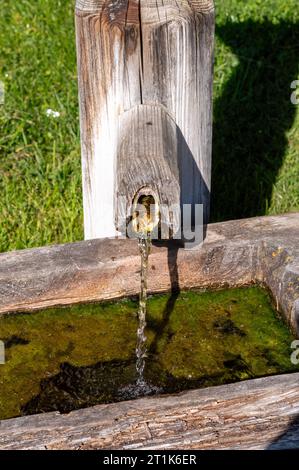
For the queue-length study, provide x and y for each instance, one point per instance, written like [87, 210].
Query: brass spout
[145, 212]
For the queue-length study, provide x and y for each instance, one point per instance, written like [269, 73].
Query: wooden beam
[255, 414]
[135, 53]
[178, 46]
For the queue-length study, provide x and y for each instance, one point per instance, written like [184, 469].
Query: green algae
[71, 357]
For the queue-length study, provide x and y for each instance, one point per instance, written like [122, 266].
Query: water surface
[73, 357]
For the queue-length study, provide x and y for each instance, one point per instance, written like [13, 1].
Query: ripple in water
[139, 389]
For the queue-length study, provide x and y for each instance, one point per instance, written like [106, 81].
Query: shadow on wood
[154, 154]
[289, 439]
[172, 260]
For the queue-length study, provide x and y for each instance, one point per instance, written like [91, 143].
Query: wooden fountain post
[145, 86]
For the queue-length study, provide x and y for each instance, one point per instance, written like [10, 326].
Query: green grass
[40, 186]
[256, 137]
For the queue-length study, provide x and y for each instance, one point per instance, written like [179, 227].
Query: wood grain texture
[147, 158]
[255, 414]
[178, 39]
[89, 5]
[108, 70]
[263, 249]
[137, 52]
[201, 6]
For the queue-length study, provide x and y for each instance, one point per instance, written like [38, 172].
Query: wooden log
[134, 53]
[255, 414]
[235, 253]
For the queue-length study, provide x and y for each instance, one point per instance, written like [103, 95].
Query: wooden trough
[255, 414]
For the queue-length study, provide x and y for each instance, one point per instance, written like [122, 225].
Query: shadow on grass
[252, 116]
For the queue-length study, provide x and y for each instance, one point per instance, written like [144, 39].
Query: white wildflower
[51, 113]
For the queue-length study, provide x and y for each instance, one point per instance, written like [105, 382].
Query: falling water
[144, 248]
[144, 222]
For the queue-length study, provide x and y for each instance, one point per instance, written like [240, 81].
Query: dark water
[69, 358]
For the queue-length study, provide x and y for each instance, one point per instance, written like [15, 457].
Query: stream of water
[144, 248]
[141, 387]
[144, 224]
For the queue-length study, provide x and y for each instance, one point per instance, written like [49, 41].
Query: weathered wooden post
[145, 84]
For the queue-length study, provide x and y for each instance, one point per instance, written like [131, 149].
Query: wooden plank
[263, 249]
[255, 414]
[134, 53]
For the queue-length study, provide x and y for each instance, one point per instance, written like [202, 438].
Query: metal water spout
[145, 87]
